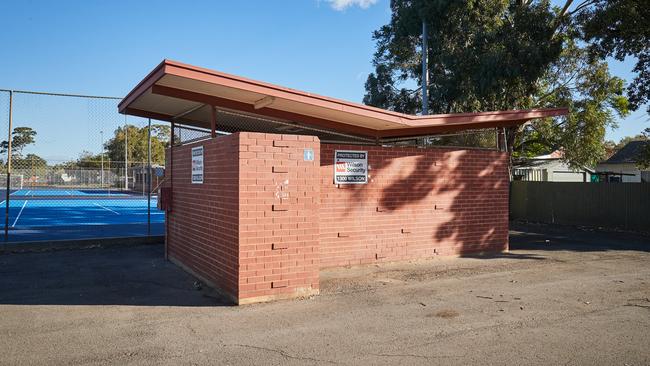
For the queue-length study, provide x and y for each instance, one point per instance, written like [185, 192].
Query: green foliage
[645, 135]
[483, 55]
[86, 160]
[595, 99]
[137, 144]
[20, 138]
[500, 55]
[30, 163]
[643, 159]
[483, 139]
[621, 28]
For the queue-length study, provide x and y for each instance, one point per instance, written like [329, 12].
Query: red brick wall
[203, 227]
[419, 203]
[279, 195]
[251, 228]
[265, 220]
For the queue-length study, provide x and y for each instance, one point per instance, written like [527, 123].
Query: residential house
[550, 168]
[622, 166]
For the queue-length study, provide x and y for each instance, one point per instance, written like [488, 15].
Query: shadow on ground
[137, 276]
[140, 276]
[529, 236]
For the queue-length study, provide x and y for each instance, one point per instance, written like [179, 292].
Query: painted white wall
[564, 176]
[554, 170]
[627, 168]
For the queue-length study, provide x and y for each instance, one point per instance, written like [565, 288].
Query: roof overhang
[187, 94]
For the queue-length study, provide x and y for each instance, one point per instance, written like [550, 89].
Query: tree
[31, 164]
[594, 98]
[20, 138]
[621, 28]
[643, 136]
[643, 159]
[137, 144]
[85, 160]
[500, 55]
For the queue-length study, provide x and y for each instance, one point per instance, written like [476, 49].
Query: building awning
[200, 97]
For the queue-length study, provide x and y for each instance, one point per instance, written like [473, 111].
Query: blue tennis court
[67, 214]
[67, 192]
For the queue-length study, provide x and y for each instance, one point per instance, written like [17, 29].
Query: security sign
[197, 165]
[350, 167]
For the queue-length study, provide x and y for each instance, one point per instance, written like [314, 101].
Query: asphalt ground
[562, 296]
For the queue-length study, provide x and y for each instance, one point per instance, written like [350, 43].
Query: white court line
[107, 209]
[19, 213]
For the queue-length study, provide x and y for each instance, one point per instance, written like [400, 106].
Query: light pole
[425, 69]
[101, 133]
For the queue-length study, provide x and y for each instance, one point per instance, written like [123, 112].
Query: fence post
[169, 166]
[149, 179]
[11, 101]
[126, 155]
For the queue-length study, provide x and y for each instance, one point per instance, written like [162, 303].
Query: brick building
[267, 185]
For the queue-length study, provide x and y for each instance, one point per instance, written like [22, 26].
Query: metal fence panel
[79, 169]
[620, 205]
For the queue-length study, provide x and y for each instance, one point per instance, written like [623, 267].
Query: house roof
[543, 162]
[628, 153]
[187, 94]
[557, 154]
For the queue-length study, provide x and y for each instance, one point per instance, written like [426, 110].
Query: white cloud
[341, 5]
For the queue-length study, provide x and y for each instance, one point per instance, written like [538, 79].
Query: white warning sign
[197, 165]
[350, 167]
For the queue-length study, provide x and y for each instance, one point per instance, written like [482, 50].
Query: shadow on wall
[459, 196]
[478, 212]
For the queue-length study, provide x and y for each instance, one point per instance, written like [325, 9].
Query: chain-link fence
[229, 121]
[72, 167]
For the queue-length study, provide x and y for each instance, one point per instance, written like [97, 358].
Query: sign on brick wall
[197, 165]
[350, 167]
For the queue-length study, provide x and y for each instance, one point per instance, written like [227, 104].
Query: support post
[213, 122]
[169, 163]
[149, 179]
[101, 133]
[8, 192]
[126, 155]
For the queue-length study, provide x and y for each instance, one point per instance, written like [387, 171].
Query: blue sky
[106, 47]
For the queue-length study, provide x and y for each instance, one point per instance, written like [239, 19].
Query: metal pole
[425, 69]
[126, 155]
[11, 101]
[101, 184]
[109, 176]
[149, 179]
[169, 164]
[213, 122]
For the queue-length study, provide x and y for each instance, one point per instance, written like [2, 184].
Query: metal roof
[187, 94]
[628, 154]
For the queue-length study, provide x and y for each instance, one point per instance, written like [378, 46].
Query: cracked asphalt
[561, 296]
